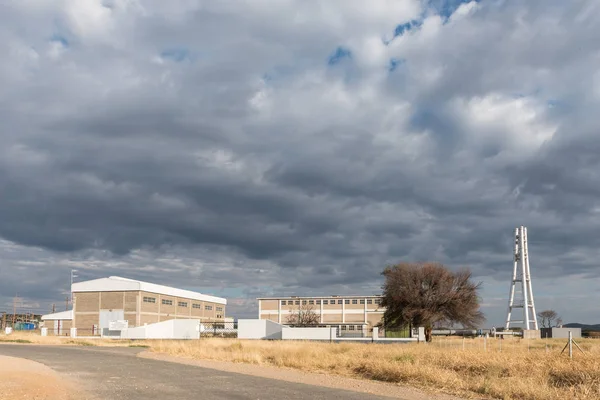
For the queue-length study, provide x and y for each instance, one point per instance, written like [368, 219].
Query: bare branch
[303, 315]
[422, 294]
[547, 318]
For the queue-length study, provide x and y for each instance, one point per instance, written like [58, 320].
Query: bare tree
[547, 318]
[303, 315]
[559, 322]
[421, 294]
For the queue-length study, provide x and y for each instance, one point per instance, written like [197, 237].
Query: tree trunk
[428, 330]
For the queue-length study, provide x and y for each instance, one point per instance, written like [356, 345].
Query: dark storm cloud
[212, 146]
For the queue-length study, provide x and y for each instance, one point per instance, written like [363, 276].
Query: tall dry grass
[521, 369]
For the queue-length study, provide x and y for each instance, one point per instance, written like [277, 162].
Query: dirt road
[25, 379]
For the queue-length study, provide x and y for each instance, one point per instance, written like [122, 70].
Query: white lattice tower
[521, 281]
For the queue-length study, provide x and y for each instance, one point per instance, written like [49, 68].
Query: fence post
[485, 342]
[332, 332]
[422, 334]
[570, 345]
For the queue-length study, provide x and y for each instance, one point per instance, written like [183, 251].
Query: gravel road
[117, 373]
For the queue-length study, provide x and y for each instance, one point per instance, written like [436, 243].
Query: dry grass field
[517, 370]
[504, 369]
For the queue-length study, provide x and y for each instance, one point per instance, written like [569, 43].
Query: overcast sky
[255, 148]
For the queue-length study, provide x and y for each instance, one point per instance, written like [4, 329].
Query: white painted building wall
[171, 329]
[288, 333]
[258, 329]
[563, 333]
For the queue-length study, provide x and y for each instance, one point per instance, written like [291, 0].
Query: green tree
[423, 293]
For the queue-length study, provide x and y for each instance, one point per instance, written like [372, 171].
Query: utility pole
[3, 319]
[16, 300]
[67, 304]
[73, 275]
[53, 308]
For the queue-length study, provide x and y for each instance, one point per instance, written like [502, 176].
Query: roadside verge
[308, 378]
[25, 379]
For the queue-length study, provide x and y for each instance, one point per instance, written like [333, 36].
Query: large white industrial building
[98, 302]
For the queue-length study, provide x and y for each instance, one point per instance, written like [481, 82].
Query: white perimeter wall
[171, 329]
[288, 333]
[258, 329]
[563, 333]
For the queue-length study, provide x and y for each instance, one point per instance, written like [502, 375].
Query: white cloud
[516, 125]
[89, 18]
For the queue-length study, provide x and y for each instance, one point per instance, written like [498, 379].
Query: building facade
[348, 313]
[58, 323]
[98, 302]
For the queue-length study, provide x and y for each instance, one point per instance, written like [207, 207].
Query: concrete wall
[265, 329]
[563, 333]
[171, 329]
[258, 329]
[288, 333]
[532, 334]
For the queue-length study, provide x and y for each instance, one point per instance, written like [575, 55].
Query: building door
[110, 315]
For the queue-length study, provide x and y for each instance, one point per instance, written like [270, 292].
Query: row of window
[352, 327]
[180, 304]
[343, 327]
[332, 301]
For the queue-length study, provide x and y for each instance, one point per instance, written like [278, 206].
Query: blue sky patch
[177, 54]
[394, 63]
[338, 55]
[60, 39]
[445, 8]
[401, 29]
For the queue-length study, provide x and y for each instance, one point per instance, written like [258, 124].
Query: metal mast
[73, 275]
[522, 274]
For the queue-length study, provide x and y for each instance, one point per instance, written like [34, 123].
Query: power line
[16, 300]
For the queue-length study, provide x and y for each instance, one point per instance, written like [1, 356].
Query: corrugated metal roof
[334, 296]
[117, 284]
[64, 315]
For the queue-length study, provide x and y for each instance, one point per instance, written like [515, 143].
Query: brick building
[58, 323]
[99, 301]
[348, 313]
